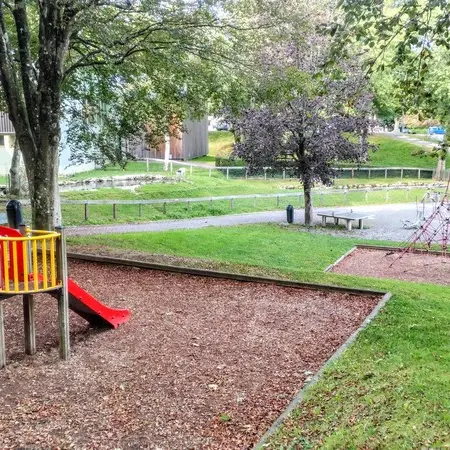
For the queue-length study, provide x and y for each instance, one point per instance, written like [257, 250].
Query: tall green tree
[44, 43]
[409, 34]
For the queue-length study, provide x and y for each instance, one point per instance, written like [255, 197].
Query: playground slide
[95, 312]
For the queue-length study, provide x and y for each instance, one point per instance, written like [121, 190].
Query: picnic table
[349, 217]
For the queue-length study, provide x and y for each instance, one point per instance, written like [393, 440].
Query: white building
[7, 139]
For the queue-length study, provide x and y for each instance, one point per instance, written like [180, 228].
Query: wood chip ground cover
[423, 268]
[203, 363]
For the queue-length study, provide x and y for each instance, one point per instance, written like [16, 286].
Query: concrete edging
[341, 258]
[318, 375]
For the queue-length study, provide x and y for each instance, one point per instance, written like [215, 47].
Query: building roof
[6, 127]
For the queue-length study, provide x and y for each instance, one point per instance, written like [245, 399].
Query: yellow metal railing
[29, 264]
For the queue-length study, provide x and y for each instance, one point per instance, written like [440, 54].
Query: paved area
[413, 139]
[385, 225]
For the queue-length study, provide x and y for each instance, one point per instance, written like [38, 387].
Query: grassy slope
[397, 153]
[204, 187]
[199, 184]
[391, 389]
[391, 152]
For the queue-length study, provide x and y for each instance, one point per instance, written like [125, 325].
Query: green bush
[229, 162]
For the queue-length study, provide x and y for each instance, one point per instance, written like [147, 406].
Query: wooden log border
[295, 403]
[385, 296]
[383, 248]
[222, 275]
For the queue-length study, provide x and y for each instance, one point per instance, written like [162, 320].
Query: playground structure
[434, 197]
[34, 262]
[434, 233]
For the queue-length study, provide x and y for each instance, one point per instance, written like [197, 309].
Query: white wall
[65, 166]
[6, 153]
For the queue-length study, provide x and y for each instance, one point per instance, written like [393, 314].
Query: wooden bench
[348, 217]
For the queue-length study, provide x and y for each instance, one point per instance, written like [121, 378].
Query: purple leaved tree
[307, 136]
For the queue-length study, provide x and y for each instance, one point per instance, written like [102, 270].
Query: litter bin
[290, 213]
[14, 213]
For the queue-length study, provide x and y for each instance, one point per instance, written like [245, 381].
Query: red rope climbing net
[434, 233]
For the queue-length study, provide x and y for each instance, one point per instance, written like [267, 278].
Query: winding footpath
[385, 225]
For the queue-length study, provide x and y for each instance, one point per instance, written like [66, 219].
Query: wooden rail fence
[319, 197]
[371, 171]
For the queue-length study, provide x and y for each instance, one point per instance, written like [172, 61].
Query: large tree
[308, 134]
[412, 35]
[44, 43]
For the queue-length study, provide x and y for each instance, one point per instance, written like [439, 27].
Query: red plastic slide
[95, 312]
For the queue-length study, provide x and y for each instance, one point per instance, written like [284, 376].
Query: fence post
[114, 211]
[265, 174]
[86, 211]
[63, 297]
[29, 323]
[231, 203]
[278, 200]
[140, 210]
[353, 173]
[418, 174]
[164, 208]
[228, 173]
[401, 173]
[2, 339]
[209, 173]
[369, 174]
[246, 173]
[284, 174]
[385, 173]
[148, 165]
[191, 169]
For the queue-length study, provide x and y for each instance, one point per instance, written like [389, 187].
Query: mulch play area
[203, 362]
[420, 267]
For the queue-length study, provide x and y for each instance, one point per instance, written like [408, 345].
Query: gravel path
[203, 363]
[411, 138]
[385, 225]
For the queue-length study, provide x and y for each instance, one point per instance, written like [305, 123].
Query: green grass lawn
[220, 143]
[391, 153]
[132, 168]
[391, 389]
[397, 153]
[201, 186]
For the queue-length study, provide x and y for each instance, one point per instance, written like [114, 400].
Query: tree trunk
[440, 169]
[32, 90]
[396, 125]
[18, 188]
[44, 191]
[308, 203]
